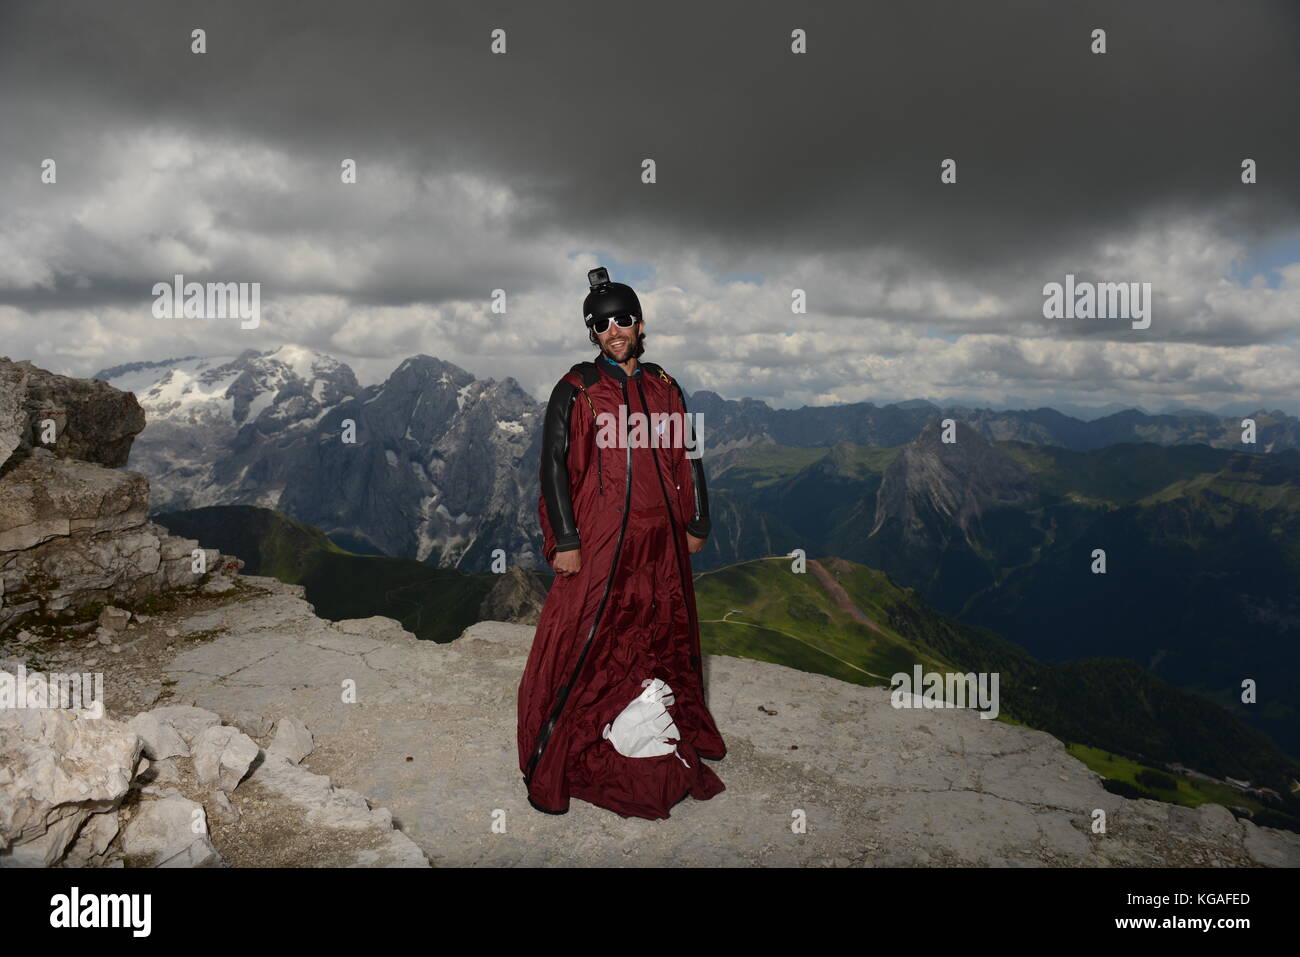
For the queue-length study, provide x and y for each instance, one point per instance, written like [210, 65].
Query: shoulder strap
[589, 374]
[587, 370]
[656, 369]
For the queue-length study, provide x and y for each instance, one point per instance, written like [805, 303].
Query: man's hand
[693, 544]
[569, 562]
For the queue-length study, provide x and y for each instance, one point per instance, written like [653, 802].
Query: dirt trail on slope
[839, 595]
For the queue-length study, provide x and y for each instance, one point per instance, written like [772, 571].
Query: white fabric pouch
[644, 728]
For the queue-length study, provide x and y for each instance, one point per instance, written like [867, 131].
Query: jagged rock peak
[959, 480]
[423, 366]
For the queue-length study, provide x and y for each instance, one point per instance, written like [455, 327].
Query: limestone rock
[329, 806]
[217, 585]
[1271, 847]
[114, 619]
[93, 421]
[252, 723]
[74, 526]
[44, 497]
[163, 771]
[65, 572]
[56, 769]
[13, 411]
[222, 809]
[160, 737]
[91, 845]
[222, 756]
[292, 739]
[376, 626]
[161, 834]
[189, 721]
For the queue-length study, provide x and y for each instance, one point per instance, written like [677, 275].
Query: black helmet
[608, 299]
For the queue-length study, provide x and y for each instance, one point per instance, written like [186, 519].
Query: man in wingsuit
[611, 704]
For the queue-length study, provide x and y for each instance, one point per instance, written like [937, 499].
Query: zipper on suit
[690, 605]
[695, 486]
[562, 695]
[600, 472]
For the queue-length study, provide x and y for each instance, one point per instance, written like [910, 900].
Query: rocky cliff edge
[325, 712]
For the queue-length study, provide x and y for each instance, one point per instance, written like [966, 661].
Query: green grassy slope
[761, 609]
[1203, 553]
[436, 604]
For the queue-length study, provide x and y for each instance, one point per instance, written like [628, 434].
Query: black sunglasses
[623, 322]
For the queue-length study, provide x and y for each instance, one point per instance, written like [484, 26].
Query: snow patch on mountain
[264, 429]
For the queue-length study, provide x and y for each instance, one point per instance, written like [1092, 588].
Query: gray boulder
[222, 756]
[13, 411]
[159, 736]
[252, 723]
[169, 832]
[292, 739]
[188, 720]
[57, 768]
[93, 421]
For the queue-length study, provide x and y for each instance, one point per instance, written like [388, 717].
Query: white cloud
[405, 262]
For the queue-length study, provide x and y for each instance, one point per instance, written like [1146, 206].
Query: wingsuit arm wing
[554, 473]
[698, 524]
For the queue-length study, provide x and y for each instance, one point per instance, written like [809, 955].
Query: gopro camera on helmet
[608, 299]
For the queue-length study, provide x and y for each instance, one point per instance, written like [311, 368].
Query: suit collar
[615, 371]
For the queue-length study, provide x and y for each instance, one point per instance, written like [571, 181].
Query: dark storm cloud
[758, 150]
[775, 171]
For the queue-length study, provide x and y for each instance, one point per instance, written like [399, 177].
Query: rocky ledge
[427, 731]
[74, 531]
[171, 785]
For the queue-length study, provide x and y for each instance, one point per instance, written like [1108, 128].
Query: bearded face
[620, 344]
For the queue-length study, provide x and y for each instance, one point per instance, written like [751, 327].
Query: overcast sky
[776, 172]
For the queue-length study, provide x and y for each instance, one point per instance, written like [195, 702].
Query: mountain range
[444, 465]
[1201, 583]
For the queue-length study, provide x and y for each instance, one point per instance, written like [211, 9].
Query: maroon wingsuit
[639, 599]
